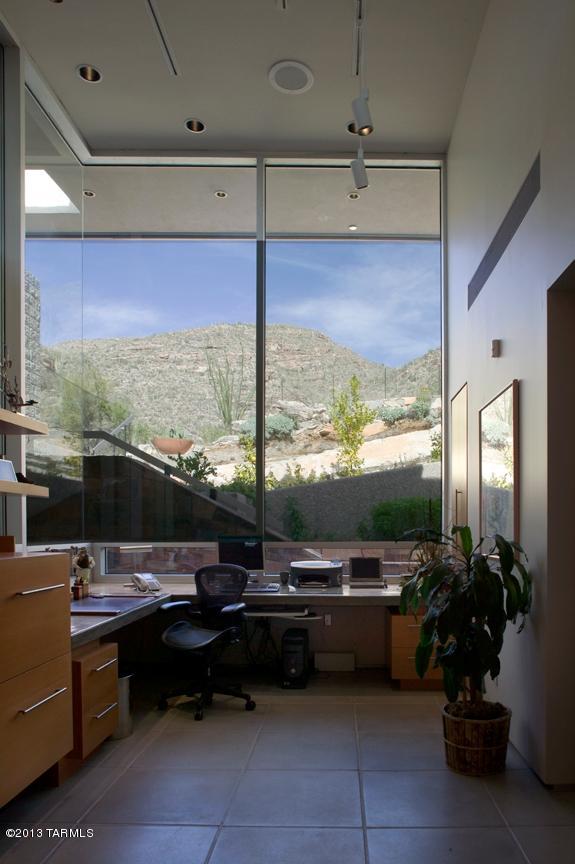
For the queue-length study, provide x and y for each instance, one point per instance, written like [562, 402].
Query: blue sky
[379, 299]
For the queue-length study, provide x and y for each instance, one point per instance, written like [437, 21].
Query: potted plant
[468, 596]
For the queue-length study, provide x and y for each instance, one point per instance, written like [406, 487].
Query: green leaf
[513, 598]
[450, 684]
[422, 657]
[506, 556]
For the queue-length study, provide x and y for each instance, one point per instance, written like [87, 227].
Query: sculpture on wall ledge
[10, 388]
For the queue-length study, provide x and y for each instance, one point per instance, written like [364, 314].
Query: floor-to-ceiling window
[142, 347]
[353, 352]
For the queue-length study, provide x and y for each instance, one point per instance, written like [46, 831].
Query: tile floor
[347, 771]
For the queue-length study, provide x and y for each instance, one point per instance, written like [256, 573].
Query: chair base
[204, 697]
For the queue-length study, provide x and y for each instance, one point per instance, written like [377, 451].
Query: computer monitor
[247, 552]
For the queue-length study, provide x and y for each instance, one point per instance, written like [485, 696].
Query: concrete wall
[333, 509]
[518, 101]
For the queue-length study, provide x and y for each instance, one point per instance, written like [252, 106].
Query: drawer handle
[105, 665]
[40, 590]
[43, 701]
[105, 711]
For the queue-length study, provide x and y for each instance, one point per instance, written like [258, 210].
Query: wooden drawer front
[403, 665]
[95, 672]
[34, 612]
[35, 724]
[405, 630]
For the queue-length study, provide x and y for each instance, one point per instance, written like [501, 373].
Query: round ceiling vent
[291, 76]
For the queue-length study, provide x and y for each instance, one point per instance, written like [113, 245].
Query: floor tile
[305, 745]
[548, 845]
[208, 746]
[144, 844]
[294, 798]
[401, 752]
[523, 800]
[441, 845]
[178, 797]
[426, 799]
[395, 719]
[289, 845]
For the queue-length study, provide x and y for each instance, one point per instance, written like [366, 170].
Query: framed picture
[7, 470]
[499, 464]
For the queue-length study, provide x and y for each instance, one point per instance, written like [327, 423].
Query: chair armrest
[174, 604]
[233, 607]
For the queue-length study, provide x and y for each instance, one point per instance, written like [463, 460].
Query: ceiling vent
[291, 76]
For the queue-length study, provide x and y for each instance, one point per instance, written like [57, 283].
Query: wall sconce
[496, 347]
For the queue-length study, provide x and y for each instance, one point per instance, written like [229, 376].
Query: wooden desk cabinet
[95, 683]
[403, 637]
[35, 671]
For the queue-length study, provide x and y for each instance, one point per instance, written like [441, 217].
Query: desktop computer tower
[295, 658]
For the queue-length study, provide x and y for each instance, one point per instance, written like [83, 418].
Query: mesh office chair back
[220, 585]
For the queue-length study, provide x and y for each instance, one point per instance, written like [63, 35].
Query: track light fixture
[363, 124]
[358, 171]
[362, 114]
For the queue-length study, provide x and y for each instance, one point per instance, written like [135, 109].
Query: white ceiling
[417, 58]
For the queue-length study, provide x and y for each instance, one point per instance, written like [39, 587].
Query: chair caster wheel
[199, 715]
[250, 705]
[163, 705]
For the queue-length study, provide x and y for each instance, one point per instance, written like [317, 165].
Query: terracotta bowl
[172, 446]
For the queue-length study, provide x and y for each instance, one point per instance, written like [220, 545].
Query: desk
[86, 628]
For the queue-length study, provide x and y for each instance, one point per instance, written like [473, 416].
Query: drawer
[34, 612]
[403, 666]
[35, 724]
[405, 630]
[95, 679]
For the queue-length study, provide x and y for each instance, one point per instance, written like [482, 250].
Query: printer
[316, 575]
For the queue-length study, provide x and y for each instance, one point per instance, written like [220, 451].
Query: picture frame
[7, 470]
[499, 464]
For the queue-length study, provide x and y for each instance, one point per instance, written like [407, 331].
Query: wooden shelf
[12, 423]
[9, 487]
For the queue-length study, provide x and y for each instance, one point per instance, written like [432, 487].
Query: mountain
[176, 379]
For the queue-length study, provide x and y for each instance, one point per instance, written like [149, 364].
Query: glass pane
[53, 328]
[353, 353]
[169, 352]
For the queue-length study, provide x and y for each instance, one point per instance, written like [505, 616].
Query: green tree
[196, 464]
[350, 416]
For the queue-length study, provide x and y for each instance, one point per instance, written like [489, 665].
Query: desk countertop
[85, 628]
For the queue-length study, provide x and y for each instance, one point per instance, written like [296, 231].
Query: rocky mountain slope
[169, 379]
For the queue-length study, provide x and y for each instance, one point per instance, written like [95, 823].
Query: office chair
[220, 616]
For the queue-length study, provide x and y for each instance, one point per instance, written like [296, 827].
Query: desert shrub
[278, 427]
[392, 414]
[391, 519]
[294, 523]
[419, 410]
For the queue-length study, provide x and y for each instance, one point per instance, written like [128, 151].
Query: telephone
[146, 582]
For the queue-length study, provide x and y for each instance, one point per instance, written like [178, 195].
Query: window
[141, 340]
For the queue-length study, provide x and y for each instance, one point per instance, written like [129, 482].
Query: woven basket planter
[476, 747]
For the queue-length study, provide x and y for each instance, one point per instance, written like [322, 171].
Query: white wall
[519, 100]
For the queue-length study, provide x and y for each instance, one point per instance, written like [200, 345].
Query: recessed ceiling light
[89, 73]
[352, 227]
[353, 196]
[291, 76]
[87, 193]
[221, 194]
[195, 125]
[352, 128]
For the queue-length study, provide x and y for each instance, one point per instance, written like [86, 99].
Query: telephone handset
[146, 582]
